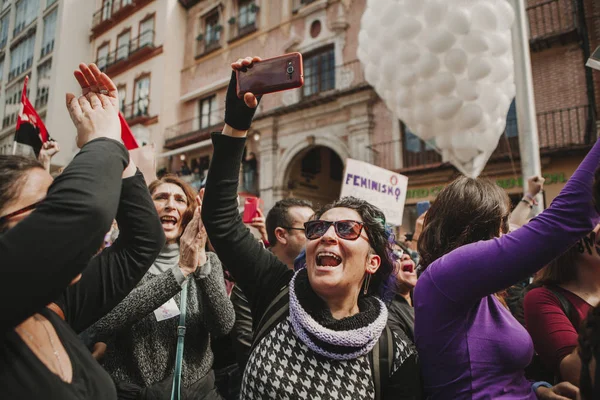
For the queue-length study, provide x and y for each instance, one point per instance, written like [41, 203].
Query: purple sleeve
[474, 271]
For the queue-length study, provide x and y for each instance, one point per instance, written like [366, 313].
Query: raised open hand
[92, 80]
[192, 243]
[94, 117]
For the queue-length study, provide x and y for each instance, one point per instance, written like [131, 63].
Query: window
[319, 72]
[12, 104]
[123, 45]
[43, 84]
[1, 69]
[26, 13]
[50, 2]
[141, 96]
[122, 89]
[4, 29]
[213, 30]
[49, 32]
[106, 9]
[102, 56]
[21, 57]
[209, 115]
[147, 32]
[512, 128]
[247, 16]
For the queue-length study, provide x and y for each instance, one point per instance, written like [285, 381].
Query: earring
[367, 282]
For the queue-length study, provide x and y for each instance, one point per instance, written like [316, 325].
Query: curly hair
[13, 172]
[190, 195]
[466, 211]
[381, 239]
[589, 349]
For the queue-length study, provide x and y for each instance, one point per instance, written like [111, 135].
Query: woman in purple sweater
[469, 344]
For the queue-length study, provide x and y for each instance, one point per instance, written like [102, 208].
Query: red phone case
[271, 75]
[250, 209]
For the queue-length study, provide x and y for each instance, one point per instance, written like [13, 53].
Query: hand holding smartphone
[271, 75]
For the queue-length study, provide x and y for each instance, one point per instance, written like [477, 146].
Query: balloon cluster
[445, 68]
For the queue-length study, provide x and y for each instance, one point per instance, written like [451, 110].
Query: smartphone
[271, 75]
[250, 209]
[422, 207]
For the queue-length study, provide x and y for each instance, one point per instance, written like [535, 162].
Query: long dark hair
[13, 172]
[466, 211]
[589, 349]
[190, 194]
[380, 237]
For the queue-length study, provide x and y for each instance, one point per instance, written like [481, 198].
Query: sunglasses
[23, 210]
[345, 229]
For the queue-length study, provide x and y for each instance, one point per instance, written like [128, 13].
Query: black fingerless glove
[237, 114]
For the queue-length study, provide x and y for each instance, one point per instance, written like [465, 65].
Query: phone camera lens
[290, 70]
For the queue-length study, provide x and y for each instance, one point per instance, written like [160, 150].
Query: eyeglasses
[291, 228]
[23, 210]
[345, 229]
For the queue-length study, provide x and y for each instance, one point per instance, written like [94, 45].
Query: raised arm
[112, 274]
[256, 270]
[474, 271]
[218, 311]
[50, 247]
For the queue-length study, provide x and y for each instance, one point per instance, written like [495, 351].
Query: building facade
[303, 137]
[139, 44]
[45, 40]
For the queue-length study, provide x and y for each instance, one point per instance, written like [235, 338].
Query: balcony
[21, 69]
[244, 24]
[114, 12]
[193, 130]
[128, 55]
[561, 130]
[552, 21]
[47, 49]
[137, 112]
[204, 46]
[187, 4]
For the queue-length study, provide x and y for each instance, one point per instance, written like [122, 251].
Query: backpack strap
[275, 312]
[381, 360]
[565, 304]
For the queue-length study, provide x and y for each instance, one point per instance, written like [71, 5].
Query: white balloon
[442, 142]
[405, 77]
[424, 91]
[412, 7]
[447, 108]
[405, 98]
[428, 65]
[408, 27]
[499, 43]
[458, 21]
[489, 100]
[475, 42]
[479, 68]
[390, 14]
[363, 38]
[505, 14]
[435, 11]
[467, 90]
[501, 71]
[444, 83]
[371, 73]
[426, 132]
[466, 155]
[389, 69]
[456, 61]
[423, 117]
[470, 115]
[439, 40]
[484, 16]
[409, 53]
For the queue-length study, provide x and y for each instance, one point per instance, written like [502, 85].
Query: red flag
[29, 115]
[126, 135]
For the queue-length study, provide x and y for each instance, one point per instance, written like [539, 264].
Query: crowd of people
[115, 289]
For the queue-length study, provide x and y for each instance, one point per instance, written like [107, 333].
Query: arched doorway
[315, 174]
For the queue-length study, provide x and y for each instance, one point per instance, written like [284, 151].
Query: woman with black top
[51, 231]
[322, 347]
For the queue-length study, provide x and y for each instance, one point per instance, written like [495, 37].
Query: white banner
[380, 187]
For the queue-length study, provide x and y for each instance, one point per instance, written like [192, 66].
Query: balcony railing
[204, 46]
[187, 4]
[297, 4]
[551, 18]
[564, 129]
[123, 54]
[20, 69]
[113, 10]
[47, 49]
[138, 109]
[244, 23]
[192, 130]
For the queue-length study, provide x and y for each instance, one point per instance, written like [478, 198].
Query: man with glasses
[285, 231]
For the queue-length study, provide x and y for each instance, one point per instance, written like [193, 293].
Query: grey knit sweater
[142, 350]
